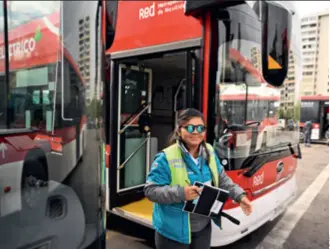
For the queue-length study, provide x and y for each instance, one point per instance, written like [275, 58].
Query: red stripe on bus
[207, 53]
[107, 155]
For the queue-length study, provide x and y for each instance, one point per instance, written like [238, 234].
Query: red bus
[177, 55]
[242, 106]
[51, 165]
[315, 109]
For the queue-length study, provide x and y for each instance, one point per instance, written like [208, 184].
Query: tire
[34, 176]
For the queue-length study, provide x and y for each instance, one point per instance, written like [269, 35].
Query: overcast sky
[306, 8]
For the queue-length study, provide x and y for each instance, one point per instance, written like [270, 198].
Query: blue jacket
[168, 218]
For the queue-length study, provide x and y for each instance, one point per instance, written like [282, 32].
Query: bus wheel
[34, 177]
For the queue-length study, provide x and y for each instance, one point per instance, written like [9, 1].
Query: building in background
[290, 86]
[315, 49]
[84, 54]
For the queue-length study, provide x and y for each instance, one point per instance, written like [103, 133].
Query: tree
[290, 113]
[281, 113]
[94, 109]
[297, 111]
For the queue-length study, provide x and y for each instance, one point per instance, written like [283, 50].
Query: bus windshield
[247, 107]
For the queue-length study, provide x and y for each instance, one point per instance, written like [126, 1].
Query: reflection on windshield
[248, 109]
[240, 104]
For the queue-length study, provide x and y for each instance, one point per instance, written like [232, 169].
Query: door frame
[149, 71]
[117, 199]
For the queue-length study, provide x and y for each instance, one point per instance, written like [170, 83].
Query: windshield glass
[32, 69]
[252, 117]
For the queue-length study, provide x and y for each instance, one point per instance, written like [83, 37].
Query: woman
[186, 160]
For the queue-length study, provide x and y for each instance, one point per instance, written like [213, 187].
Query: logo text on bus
[160, 8]
[22, 47]
[19, 48]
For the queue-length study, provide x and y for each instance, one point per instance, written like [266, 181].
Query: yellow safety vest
[179, 174]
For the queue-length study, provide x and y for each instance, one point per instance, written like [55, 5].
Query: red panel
[267, 176]
[148, 23]
[107, 155]
[315, 97]
[207, 52]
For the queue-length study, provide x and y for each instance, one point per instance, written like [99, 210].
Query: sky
[306, 8]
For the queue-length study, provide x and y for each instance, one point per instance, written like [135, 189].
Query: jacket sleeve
[157, 187]
[235, 191]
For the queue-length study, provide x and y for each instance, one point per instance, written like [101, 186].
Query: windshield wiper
[264, 158]
[256, 165]
[293, 153]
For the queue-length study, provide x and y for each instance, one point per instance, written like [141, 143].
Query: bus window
[133, 94]
[310, 111]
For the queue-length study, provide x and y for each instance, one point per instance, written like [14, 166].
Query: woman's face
[192, 132]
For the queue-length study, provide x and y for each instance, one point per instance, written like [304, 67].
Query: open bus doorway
[149, 91]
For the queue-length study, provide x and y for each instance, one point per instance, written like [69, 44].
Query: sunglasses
[192, 128]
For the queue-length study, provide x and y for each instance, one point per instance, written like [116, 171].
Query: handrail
[138, 115]
[130, 156]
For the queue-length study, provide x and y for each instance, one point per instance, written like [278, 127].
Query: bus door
[145, 119]
[324, 120]
[133, 132]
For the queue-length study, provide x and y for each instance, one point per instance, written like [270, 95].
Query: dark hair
[183, 118]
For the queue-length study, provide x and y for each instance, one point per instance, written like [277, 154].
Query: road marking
[282, 230]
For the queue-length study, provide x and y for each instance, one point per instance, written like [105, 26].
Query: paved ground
[311, 230]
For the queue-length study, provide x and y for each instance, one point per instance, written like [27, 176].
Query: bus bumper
[265, 208]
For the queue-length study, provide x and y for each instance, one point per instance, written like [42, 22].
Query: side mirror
[276, 23]
[109, 20]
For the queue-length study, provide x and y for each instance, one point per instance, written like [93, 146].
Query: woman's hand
[191, 192]
[246, 206]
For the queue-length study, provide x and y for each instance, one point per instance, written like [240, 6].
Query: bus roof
[315, 97]
[238, 92]
[142, 24]
[242, 97]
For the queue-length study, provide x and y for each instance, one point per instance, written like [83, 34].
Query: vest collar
[186, 152]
